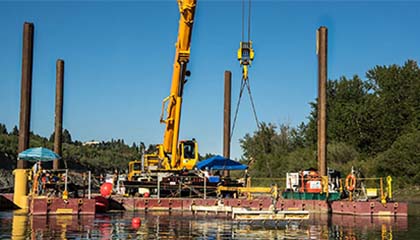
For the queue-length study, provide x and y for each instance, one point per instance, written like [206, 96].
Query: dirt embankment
[6, 180]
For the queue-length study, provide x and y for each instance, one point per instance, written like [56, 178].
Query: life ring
[350, 182]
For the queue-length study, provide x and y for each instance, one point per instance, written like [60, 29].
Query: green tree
[397, 90]
[347, 112]
[370, 115]
[66, 137]
[15, 131]
[52, 137]
[207, 155]
[3, 129]
[402, 160]
[258, 150]
[268, 151]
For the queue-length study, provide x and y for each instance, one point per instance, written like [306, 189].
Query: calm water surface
[14, 225]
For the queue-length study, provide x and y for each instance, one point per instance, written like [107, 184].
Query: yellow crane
[172, 154]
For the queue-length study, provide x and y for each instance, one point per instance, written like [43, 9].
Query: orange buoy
[136, 222]
[350, 182]
[106, 189]
[146, 195]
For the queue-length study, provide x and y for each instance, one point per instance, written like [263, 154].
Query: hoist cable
[245, 80]
[243, 20]
[237, 108]
[249, 21]
[252, 104]
[248, 86]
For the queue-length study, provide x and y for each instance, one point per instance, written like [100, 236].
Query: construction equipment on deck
[167, 168]
[173, 155]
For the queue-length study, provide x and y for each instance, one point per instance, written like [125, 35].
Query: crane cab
[158, 161]
[134, 170]
[189, 154]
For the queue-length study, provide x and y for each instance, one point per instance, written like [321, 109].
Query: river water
[155, 225]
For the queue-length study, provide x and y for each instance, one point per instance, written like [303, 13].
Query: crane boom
[172, 154]
[166, 163]
[174, 100]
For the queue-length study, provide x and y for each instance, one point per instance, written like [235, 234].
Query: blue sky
[119, 55]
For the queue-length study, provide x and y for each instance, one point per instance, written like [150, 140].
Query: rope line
[249, 20]
[237, 108]
[243, 20]
[252, 104]
[248, 86]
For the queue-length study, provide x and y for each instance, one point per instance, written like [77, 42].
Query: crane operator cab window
[137, 166]
[189, 150]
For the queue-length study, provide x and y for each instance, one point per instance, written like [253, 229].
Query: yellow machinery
[20, 197]
[172, 154]
[245, 57]
[245, 51]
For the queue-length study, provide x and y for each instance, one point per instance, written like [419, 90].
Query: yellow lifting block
[245, 57]
[245, 53]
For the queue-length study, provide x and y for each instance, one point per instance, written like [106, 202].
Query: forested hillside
[373, 124]
[100, 157]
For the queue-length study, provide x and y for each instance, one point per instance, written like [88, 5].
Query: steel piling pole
[322, 43]
[226, 117]
[26, 90]
[58, 111]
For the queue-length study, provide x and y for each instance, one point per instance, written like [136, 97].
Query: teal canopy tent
[38, 154]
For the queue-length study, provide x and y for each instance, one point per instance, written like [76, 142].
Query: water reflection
[359, 227]
[19, 224]
[61, 226]
[15, 225]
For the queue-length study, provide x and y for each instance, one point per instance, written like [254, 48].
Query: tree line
[372, 124]
[101, 157]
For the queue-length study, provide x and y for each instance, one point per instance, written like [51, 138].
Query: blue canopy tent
[220, 163]
[38, 154]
